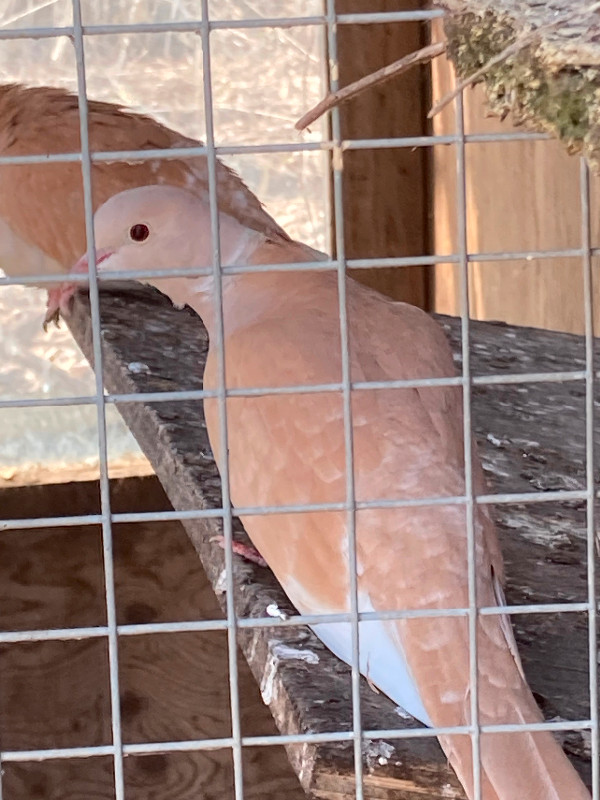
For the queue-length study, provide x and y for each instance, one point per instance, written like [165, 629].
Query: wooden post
[385, 191]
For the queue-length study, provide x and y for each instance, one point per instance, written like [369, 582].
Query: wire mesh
[341, 266]
[590, 481]
[222, 398]
[461, 203]
[329, 22]
[107, 536]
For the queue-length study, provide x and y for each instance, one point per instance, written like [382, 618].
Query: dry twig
[375, 78]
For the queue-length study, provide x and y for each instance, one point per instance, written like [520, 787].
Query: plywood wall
[173, 686]
[521, 196]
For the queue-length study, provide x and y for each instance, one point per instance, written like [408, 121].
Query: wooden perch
[538, 61]
[532, 438]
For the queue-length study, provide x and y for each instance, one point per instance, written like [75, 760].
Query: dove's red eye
[139, 232]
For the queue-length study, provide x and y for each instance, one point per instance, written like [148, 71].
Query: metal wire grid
[330, 21]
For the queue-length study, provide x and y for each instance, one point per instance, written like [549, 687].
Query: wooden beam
[385, 191]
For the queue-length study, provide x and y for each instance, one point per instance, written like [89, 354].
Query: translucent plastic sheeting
[263, 79]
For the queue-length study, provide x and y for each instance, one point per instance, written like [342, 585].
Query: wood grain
[521, 196]
[385, 190]
[173, 686]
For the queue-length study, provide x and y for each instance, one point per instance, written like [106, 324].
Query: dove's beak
[82, 266]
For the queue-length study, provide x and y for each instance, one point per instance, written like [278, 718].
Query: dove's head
[151, 227]
[162, 228]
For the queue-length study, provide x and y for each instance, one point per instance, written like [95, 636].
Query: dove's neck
[268, 291]
[237, 245]
[245, 296]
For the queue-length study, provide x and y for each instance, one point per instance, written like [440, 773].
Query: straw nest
[539, 61]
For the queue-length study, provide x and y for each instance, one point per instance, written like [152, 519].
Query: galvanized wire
[196, 26]
[461, 232]
[559, 495]
[337, 165]
[107, 538]
[336, 146]
[201, 745]
[219, 344]
[112, 156]
[584, 181]
[260, 391]
[308, 266]
[299, 620]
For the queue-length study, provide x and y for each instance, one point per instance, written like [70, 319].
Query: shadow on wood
[385, 194]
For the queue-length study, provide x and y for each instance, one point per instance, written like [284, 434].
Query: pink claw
[246, 551]
[58, 303]
[59, 297]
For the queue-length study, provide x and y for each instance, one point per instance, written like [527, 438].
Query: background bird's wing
[42, 204]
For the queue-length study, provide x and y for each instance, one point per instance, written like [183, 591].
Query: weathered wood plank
[173, 686]
[532, 438]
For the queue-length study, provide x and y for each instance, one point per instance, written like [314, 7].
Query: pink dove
[282, 328]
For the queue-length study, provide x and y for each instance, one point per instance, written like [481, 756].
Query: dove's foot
[246, 551]
[58, 303]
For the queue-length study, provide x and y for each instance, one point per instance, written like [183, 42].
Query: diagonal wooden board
[532, 438]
